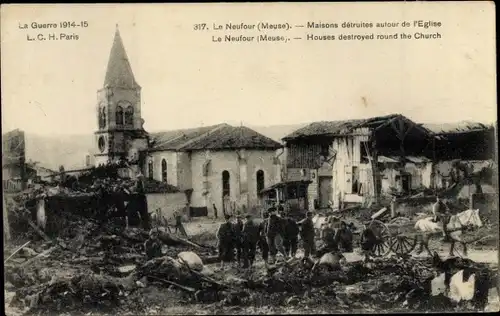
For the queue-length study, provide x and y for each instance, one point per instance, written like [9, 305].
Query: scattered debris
[95, 261]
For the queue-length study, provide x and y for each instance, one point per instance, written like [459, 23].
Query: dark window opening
[364, 146]
[302, 191]
[292, 192]
[260, 181]
[226, 186]
[325, 150]
[102, 118]
[129, 116]
[355, 180]
[119, 115]
[164, 170]
[404, 182]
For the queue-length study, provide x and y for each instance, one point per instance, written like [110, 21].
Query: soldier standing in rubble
[178, 224]
[328, 238]
[225, 241]
[368, 240]
[264, 247]
[274, 234]
[291, 237]
[153, 245]
[251, 236]
[307, 235]
[343, 238]
[238, 238]
[441, 213]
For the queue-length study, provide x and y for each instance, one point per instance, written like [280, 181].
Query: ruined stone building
[219, 165]
[357, 161]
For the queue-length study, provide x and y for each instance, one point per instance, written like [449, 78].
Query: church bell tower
[120, 133]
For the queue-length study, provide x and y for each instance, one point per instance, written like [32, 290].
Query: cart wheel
[382, 246]
[401, 244]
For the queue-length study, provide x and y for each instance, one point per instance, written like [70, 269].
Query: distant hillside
[69, 151]
[54, 151]
[277, 132]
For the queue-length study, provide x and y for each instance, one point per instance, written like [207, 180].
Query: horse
[455, 226]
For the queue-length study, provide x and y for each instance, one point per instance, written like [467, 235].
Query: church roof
[119, 72]
[215, 137]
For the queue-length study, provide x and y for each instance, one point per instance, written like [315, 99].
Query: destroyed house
[464, 152]
[221, 165]
[357, 161]
[465, 140]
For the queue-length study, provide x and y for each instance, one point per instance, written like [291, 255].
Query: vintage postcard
[249, 158]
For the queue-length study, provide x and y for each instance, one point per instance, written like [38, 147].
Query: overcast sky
[188, 81]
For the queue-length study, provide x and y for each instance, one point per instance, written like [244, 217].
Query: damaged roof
[343, 127]
[460, 127]
[215, 137]
[175, 139]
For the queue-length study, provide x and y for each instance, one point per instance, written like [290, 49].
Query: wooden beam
[398, 130]
[373, 158]
[385, 124]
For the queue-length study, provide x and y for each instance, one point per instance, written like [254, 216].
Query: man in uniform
[178, 224]
[153, 245]
[343, 238]
[264, 247]
[307, 235]
[274, 234]
[225, 241]
[368, 241]
[291, 237]
[238, 238]
[441, 213]
[251, 235]
[328, 238]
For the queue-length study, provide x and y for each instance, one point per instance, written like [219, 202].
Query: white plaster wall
[184, 174]
[228, 160]
[348, 151]
[171, 158]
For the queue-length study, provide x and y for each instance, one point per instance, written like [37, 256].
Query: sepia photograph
[249, 158]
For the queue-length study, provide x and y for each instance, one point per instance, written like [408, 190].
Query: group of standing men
[276, 233]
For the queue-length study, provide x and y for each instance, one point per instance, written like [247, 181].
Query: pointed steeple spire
[119, 72]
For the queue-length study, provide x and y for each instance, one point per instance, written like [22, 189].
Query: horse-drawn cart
[396, 236]
[401, 235]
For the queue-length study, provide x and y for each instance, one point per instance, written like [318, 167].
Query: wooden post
[393, 208]
[374, 160]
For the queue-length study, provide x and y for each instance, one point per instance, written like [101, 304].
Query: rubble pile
[94, 265]
[382, 284]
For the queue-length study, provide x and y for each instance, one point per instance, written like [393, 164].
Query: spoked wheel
[382, 246]
[402, 244]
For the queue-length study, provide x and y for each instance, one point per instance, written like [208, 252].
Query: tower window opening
[119, 115]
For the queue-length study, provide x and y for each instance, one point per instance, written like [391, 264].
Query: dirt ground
[165, 301]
